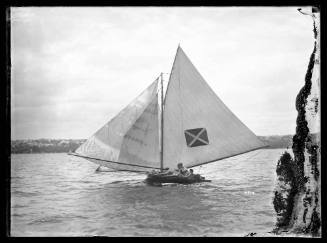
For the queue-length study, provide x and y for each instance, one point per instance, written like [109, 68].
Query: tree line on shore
[69, 145]
[45, 145]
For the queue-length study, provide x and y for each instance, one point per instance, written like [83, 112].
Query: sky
[75, 68]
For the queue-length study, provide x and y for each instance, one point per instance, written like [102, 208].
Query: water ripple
[55, 195]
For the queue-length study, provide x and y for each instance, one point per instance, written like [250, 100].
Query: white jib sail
[130, 141]
[198, 126]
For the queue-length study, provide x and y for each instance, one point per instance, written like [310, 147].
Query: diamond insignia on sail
[196, 137]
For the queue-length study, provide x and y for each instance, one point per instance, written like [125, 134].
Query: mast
[161, 132]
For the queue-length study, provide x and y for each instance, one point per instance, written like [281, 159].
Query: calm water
[61, 195]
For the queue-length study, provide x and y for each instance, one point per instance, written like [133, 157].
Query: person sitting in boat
[182, 170]
[191, 172]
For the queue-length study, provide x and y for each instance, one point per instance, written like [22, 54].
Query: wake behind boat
[187, 123]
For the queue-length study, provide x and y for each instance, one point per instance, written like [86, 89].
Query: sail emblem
[196, 137]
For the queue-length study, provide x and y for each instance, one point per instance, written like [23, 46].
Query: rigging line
[214, 160]
[117, 171]
[179, 102]
[170, 75]
[136, 171]
[162, 124]
[114, 162]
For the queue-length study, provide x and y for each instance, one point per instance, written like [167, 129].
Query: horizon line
[87, 138]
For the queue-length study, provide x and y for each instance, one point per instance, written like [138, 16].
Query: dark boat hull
[159, 179]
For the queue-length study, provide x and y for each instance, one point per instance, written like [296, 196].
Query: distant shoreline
[67, 152]
[40, 146]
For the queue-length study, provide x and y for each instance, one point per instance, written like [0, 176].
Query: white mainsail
[192, 126]
[198, 126]
[130, 141]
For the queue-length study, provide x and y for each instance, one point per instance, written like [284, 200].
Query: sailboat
[188, 123]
